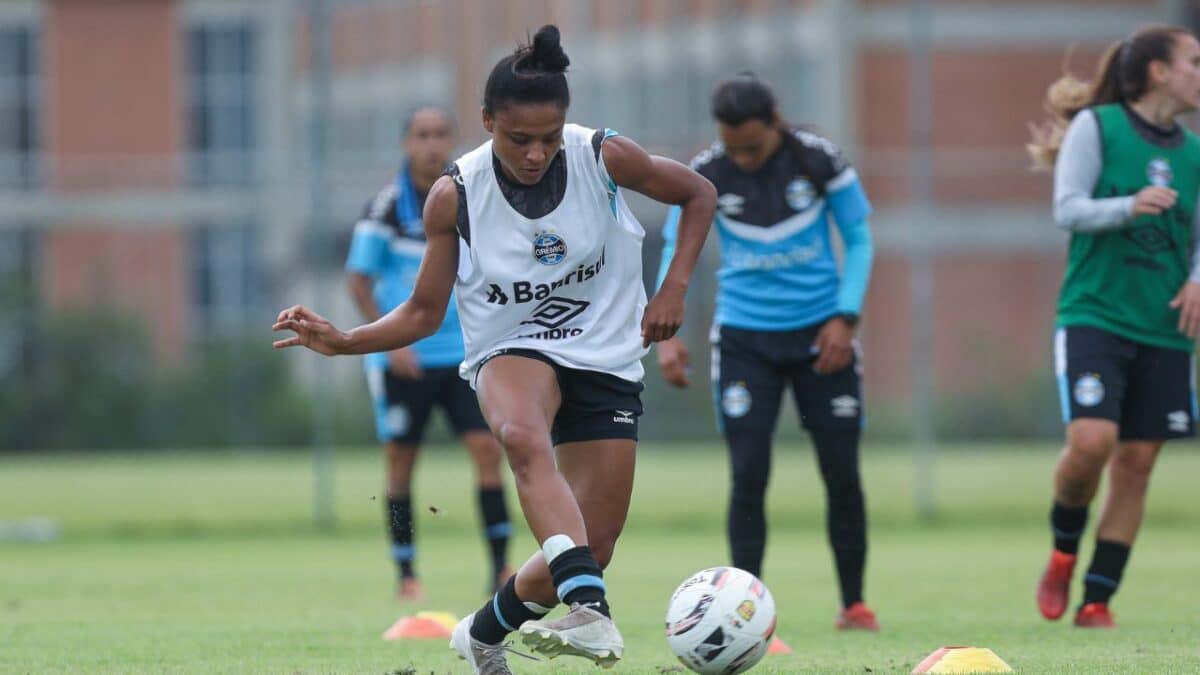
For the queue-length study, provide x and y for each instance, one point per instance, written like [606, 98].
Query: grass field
[208, 563]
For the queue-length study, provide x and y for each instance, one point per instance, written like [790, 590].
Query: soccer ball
[720, 620]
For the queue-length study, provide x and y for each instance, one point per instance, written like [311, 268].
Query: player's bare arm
[669, 182]
[418, 317]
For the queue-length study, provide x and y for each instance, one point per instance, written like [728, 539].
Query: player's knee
[520, 438]
[846, 498]
[750, 477]
[529, 456]
[842, 481]
[1133, 466]
[748, 489]
[1093, 442]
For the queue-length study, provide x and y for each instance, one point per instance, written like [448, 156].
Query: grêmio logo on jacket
[521, 292]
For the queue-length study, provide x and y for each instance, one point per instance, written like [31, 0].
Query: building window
[224, 278]
[222, 133]
[661, 96]
[18, 251]
[19, 103]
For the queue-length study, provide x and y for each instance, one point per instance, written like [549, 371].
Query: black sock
[1104, 576]
[845, 513]
[1068, 523]
[578, 578]
[503, 614]
[400, 528]
[496, 527]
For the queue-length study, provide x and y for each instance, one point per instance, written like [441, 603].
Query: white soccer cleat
[485, 659]
[582, 632]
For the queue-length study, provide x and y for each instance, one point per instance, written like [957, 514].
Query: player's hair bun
[534, 73]
[545, 53]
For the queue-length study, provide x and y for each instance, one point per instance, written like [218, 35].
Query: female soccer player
[532, 232]
[1126, 174]
[785, 317]
[405, 384]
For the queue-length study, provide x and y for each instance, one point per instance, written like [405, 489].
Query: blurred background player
[532, 230]
[405, 384]
[784, 318]
[1126, 175]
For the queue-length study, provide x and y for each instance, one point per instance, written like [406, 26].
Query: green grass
[207, 563]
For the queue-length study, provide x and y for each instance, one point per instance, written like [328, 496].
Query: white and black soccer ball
[720, 621]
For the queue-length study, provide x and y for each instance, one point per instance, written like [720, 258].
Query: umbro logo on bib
[553, 314]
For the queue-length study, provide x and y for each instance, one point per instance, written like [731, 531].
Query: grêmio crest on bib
[549, 248]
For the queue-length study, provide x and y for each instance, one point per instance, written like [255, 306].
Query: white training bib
[568, 285]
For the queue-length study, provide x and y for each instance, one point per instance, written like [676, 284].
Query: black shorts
[751, 368]
[1150, 392]
[595, 406]
[402, 406]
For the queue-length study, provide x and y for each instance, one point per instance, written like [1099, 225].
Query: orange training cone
[422, 626]
[777, 646]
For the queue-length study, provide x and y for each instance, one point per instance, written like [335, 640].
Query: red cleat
[1054, 589]
[777, 646]
[1094, 615]
[857, 617]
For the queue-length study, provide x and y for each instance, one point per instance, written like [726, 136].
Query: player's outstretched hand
[312, 330]
[663, 315]
[834, 346]
[1187, 301]
[674, 362]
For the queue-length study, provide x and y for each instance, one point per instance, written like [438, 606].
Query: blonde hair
[1122, 75]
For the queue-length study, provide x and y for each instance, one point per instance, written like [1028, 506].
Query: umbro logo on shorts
[845, 406]
[623, 416]
[1178, 421]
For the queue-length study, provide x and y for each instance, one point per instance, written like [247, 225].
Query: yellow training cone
[963, 660]
[447, 619]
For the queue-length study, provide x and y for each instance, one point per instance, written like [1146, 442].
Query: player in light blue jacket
[405, 384]
[785, 317]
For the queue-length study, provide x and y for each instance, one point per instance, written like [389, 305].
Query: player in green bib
[1126, 179]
